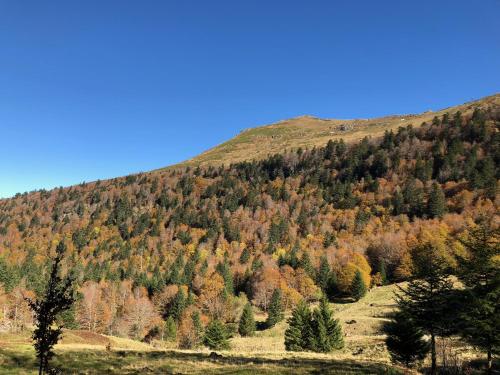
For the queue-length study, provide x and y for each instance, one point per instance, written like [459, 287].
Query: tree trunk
[490, 361]
[40, 368]
[433, 354]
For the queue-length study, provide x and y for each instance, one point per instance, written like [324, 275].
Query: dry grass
[81, 352]
[307, 131]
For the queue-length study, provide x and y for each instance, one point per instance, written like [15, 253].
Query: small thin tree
[57, 298]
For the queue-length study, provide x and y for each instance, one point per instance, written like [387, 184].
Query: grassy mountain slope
[165, 245]
[308, 131]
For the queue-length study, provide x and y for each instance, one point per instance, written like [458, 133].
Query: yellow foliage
[279, 252]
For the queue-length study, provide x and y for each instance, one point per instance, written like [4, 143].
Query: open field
[82, 352]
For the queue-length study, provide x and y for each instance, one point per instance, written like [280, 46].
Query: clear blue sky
[99, 89]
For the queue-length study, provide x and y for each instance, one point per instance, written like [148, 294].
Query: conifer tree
[480, 274]
[358, 287]
[198, 327]
[170, 329]
[327, 332]
[427, 299]
[323, 274]
[57, 298]
[275, 312]
[299, 334]
[436, 205]
[333, 288]
[306, 265]
[398, 203]
[178, 305]
[405, 340]
[216, 336]
[247, 322]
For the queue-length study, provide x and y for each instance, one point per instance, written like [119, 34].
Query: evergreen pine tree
[306, 265]
[323, 274]
[224, 270]
[170, 329]
[413, 198]
[245, 256]
[481, 276]
[427, 299]
[358, 287]
[398, 204]
[382, 271]
[57, 298]
[333, 288]
[216, 336]
[198, 327]
[405, 340]
[327, 332]
[275, 312]
[436, 205]
[247, 322]
[299, 334]
[177, 306]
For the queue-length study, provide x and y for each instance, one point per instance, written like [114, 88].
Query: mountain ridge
[286, 134]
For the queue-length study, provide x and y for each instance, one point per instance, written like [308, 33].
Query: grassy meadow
[82, 352]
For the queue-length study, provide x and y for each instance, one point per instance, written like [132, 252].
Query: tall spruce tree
[358, 287]
[436, 205]
[323, 274]
[327, 332]
[177, 305]
[170, 329]
[216, 336]
[275, 311]
[405, 340]
[57, 298]
[247, 326]
[480, 273]
[299, 334]
[382, 271]
[427, 300]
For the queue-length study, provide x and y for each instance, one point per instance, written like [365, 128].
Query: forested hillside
[161, 254]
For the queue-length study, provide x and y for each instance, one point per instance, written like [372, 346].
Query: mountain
[203, 238]
[309, 131]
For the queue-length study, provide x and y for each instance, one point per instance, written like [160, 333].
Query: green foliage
[247, 325]
[436, 205]
[317, 331]
[245, 256]
[170, 329]
[224, 269]
[9, 276]
[275, 312]
[57, 298]
[405, 340]
[358, 287]
[299, 333]
[428, 300]
[323, 274]
[306, 264]
[216, 336]
[177, 306]
[327, 332]
[479, 270]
